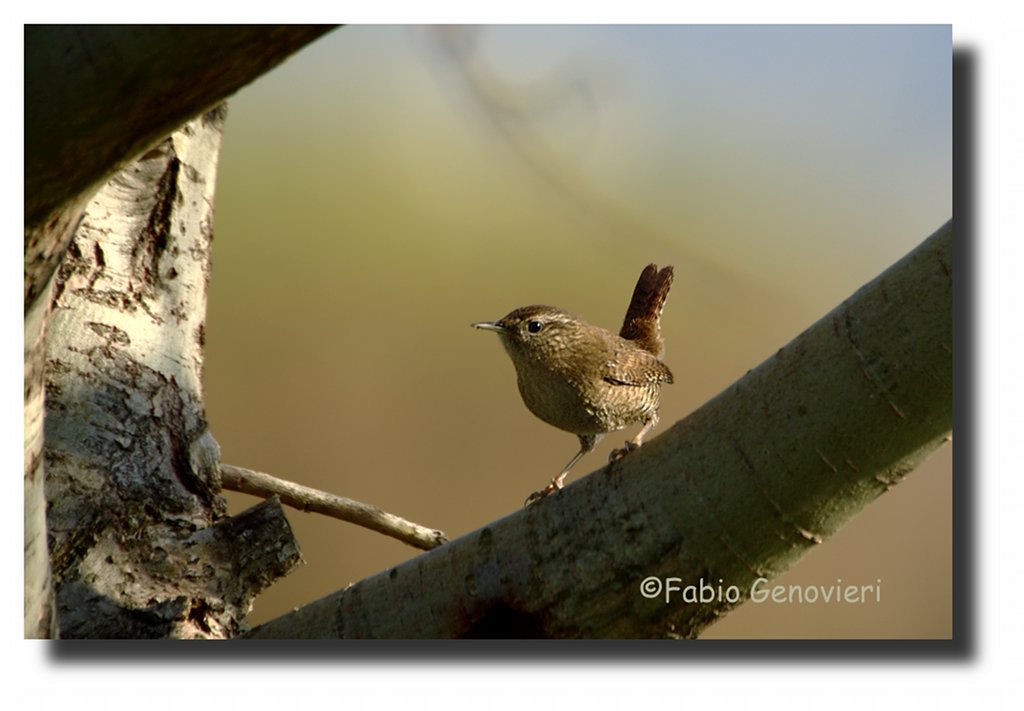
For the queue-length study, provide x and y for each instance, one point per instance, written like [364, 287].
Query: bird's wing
[632, 366]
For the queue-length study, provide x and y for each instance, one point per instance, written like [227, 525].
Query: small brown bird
[584, 379]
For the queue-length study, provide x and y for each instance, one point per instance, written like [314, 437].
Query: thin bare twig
[304, 498]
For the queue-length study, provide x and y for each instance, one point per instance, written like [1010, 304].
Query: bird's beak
[490, 326]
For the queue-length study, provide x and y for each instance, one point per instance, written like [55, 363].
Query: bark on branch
[737, 491]
[97, 96]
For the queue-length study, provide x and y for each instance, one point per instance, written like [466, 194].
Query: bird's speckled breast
[564, 404]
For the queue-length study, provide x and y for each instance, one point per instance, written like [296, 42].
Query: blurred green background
[388, 186]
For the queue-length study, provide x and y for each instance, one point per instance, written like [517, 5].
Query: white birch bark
[139, 543]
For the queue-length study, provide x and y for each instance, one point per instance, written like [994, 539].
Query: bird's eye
[534, 326]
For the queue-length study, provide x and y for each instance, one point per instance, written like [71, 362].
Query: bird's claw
[538, 495]
[618, 454]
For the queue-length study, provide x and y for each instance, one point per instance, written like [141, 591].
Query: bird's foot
[555, 485]
[617, 454]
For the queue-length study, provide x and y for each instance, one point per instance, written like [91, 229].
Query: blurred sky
[388, 186]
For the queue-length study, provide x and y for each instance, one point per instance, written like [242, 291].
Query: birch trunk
[96, 97]
[139, 542]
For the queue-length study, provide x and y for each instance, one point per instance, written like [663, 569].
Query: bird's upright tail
[643, 317]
